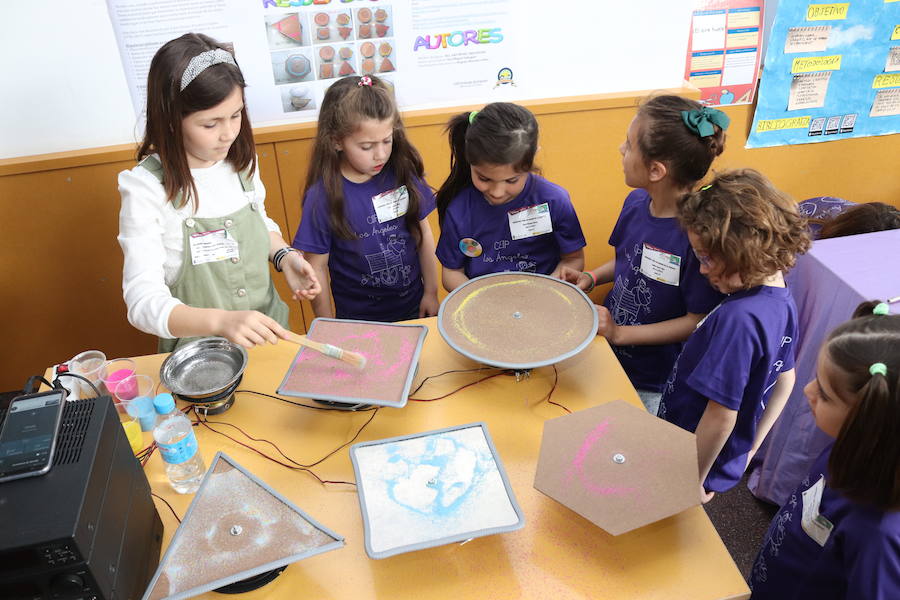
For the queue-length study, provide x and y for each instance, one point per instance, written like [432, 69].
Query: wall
[61, 264]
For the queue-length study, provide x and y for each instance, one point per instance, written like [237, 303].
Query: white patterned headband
[203, 61]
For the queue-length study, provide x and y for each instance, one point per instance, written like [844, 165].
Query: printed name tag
[392, 204]
[814, 524]
[529, 222]
[660, 265]
[213, 246]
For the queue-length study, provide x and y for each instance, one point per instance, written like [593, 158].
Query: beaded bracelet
[593, 280]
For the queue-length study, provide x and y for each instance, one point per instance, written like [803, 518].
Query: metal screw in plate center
[236, 530]
[517, 315]
[618, 458]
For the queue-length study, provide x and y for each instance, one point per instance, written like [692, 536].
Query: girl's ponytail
[501, 133]
[460, 170]
[865, 353]
[869, 437]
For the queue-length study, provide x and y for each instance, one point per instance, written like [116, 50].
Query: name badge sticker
[659, 265]
[391, 205]
[814, 524]
[213, 246]
[530, 221]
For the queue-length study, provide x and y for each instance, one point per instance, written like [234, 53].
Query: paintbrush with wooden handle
[351, 358]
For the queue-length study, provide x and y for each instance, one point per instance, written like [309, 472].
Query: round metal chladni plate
[203, 367]
[517, 320]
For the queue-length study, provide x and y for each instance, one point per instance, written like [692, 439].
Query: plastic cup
[136, 394]
[88, 364]
[115, 371]
[132, 427]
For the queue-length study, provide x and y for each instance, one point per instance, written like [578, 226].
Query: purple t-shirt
[733, 358]
[657, 285]
[476, 237]
[860, 558]
[376, 277]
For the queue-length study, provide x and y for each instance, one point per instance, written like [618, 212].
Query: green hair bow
[701, 121]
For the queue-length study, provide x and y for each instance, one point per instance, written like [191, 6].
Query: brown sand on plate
[518, 318]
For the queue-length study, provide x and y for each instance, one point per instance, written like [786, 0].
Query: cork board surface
[431, 489]
[392, 352]
[236, 527]
[618, 466]
[517, 320]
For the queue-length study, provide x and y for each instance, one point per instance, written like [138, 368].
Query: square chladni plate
[392, 353]
[433, 488]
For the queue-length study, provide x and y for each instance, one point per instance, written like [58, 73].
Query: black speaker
[88, 529]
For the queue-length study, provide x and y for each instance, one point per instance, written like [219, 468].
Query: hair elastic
[364, 80]
[203, 61]
[701, 121]
[881, 308]
[706, 187]
[878, 369]
[472, 116]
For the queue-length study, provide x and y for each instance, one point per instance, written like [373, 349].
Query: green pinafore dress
[237, 283]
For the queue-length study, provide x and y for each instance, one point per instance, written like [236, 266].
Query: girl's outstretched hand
[300, 276]
[248, 328]
[606, 326]
[576, 278]
[429, 305]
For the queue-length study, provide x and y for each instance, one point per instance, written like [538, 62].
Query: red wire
[457, 389]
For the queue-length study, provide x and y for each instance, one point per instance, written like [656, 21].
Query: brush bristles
[354, 358]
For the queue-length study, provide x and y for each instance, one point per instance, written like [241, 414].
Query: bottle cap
[164, 403]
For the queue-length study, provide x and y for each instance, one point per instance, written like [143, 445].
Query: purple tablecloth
[828, 283]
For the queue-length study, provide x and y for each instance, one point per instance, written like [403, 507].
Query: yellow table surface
[557, 555]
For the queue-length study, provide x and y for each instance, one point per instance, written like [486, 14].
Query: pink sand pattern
[389, 350]
[576, 469]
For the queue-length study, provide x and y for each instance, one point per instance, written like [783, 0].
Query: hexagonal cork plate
[618, 466]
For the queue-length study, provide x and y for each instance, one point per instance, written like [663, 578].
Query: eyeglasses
[705, 260]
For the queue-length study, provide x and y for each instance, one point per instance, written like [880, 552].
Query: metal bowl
[203, 368]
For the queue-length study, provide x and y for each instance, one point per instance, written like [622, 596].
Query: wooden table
[557, 555]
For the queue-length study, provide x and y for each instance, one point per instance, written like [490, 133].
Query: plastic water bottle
[177, 443]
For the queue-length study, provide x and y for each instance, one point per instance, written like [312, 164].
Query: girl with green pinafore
[193, 224]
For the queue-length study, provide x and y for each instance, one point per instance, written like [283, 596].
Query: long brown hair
[747, 223]
[663, 136]
[501, 133]
[168, 105]
[862, 218]
[345, 106]
[865, 461]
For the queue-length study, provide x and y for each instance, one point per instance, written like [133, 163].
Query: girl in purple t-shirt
[365, 209]
[838, 535]
[736, 370]
[495, 214]
[658, 295]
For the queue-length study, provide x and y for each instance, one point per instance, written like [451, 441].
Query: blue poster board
[832, 71]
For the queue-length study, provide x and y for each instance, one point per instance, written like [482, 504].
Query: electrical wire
[29, 385]
[166, 502]
[364, 408]
[295, 464]
[77, 376]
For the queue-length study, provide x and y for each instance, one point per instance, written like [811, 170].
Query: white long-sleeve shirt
[152, 238]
